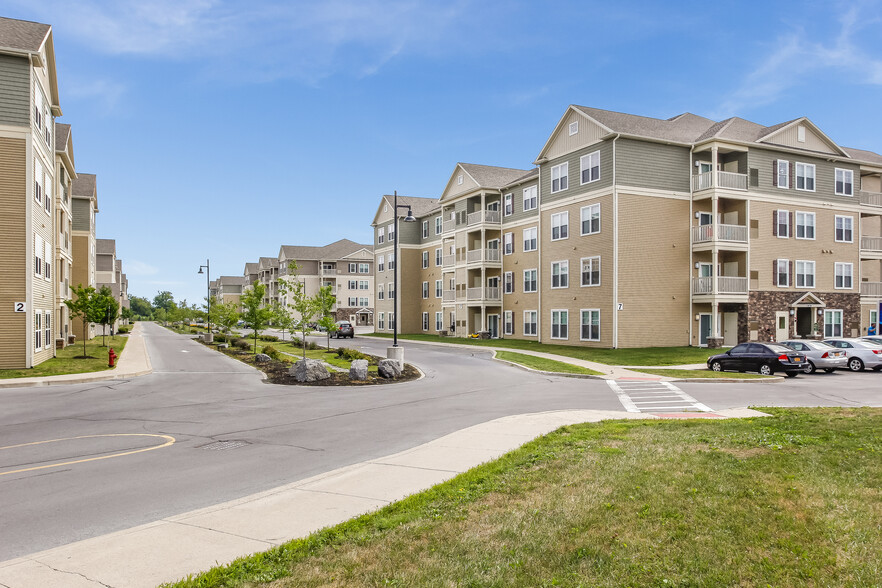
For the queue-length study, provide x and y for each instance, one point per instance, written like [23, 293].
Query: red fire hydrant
[111, 357]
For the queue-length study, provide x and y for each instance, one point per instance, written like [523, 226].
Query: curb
[561, 374]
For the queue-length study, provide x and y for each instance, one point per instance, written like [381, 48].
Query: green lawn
[643, 356]
[544, 365]
[65, 361]
[787, 501]
[704, 374]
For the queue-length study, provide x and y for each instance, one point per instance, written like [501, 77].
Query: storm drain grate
[224, 445]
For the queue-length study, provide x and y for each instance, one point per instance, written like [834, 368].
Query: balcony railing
[871, 289]
[329, 271]
[725, 285]
[486, 294]
[731, 233]
[484, 216]
[448, 296]
[448, 260]
[871, 244]
[727, 180]
[448, 226]
[479, 255]
[870, 198]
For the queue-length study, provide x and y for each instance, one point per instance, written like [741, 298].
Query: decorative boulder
[309, 370]
[262, 358]
[359, 369]
[389, 368]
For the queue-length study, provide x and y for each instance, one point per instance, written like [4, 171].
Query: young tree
[282, 318]
[226, 315]
[106, 309]
[255, 314]
[325, 301]
[127, 314]
[305, 307]
[163, 300]
[83, 306]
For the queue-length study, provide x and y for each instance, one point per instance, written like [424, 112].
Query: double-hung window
[38, 330]
[352, 301]
[530, 240]
[439, 321]
[379, 291]
[844, 274]
[438, 288]
[508, 243]
[38, 256]
[508, 323]
[531, 317]
[381, 235]
[832, 323]
[590, 167]
[438, 225]
[508, 204]
[353, 268]
[352, 284]
[782, 173]
[560, 271]
[425, 259]
[590, 216]
[391, 232]
[425, 290]
[363, 285]
[364, 268]
[531, 198]
[560, 222]
[425, 229]
[559, 320]
[47, 330]
[508, 283]
[805, 176]
[845, 229]
[38, 181]
[438, 257]
[782, 273]
[425, 321]
[591, 271]
[390, 290]
[805, 274]
[559, 177]
[530, 283]
[844, 182]
[381, 263]
[391, 261]
[381, 321]
[590, 325]
[47, 260]
[782, 223]
[805, 225]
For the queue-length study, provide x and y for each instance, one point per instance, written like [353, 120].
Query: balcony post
[714, 159]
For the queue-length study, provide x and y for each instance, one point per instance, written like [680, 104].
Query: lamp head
[410, 218]
[200, 269]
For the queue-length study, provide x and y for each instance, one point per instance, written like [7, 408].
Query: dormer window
[574, 127]
[459, 179]
[800, 134]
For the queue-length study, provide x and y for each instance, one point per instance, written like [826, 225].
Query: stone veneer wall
[343, 314]
[761, 308]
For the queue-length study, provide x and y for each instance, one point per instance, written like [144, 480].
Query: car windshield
[779, 348]
[818, 345]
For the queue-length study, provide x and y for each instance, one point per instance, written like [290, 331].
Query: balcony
[725, 180]
[871, 247]
[870, 198]
[448, 296]
[329, 271]
[726, 233]
[484, 216]
[483, 255]
[483, 295]
[448, 226]
[872, 289]
[726, 285]
[448, 260]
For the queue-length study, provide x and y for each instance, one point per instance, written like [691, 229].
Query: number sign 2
[20, 307]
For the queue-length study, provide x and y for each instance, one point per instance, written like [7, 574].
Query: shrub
[194, 332]
[312, 346]
[271, 351]
[122, 330]
[350, 354]
[272, 338]
[220, 338]
[242, 344]
[296, 342]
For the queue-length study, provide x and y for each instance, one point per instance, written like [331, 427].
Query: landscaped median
[70, 361]
[703, 374]
[543, 364]
[790, 500]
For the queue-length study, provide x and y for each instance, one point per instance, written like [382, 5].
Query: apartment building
[346, 266]
[228, 289]
[108, 272]
[678, 231]
[251, 273]
[65, 172]
[28, 105]
[268, 275]
[84, 207]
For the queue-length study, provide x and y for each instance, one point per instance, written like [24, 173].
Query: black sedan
[765, 358]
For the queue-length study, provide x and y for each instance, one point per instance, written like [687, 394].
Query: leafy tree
[282, 318]
[106, 309]
[305, 307]
[253, 312]
[164, 300]
[325, 301]
[141, 307]
[83, 306]
[226, 315]
[127, 314]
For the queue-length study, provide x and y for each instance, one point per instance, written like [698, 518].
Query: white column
[714, 168]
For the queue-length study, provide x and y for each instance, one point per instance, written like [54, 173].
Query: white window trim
[573, 128]
[507, 278]
[508, 201]
[778, 175]
[778, 223]
[425, 290]
[814, 225]
[534, 194]
[526, 322]
[843, 264]
[844, 171]
[508, 322]
[425, 259]
[582, 219]
[582, 167]
[425, 229]
[842, 216]
[507, 239]
[439, 225]
[814, 176]
[597, 310]
[563, 171]
[581, 273]
[439, 288]
[381, 235]
[425, 321]
[536, 281]
[786, 273]
[561, 226]
[796, 274]
[563, 263]
[439, 258]
[525, 239]
[439, 320]
[551, 324]
[834, 312]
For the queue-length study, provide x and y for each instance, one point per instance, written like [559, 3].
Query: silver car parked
[861, 354]
[821, 356]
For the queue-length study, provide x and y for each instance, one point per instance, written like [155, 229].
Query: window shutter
[775, 223]
[774, 272]
[775, 173]
[792, 169]
[791, 228]
[791, 279]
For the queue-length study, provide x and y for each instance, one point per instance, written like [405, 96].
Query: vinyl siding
[574, 183]
[15, 95]
[564, 143]
[81, 219]
[790, 138]
[652, 165]
[518, 201]
[14, 265]
[825, 176]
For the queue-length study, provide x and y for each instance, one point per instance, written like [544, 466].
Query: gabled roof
[336, 250]
[268, 262]
[62, 132]
[84, 185]
[683, 128]
[419, 206]
[488, 176]
[22, 35]
[770, 134]
[105, 247]
[231, 281]
[533, 173]
[250, 268]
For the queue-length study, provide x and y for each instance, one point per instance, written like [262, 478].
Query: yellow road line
[169, 440]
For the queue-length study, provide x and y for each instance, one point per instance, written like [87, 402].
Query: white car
[861, 353]
[820, 355]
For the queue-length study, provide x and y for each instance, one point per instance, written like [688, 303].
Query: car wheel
[855, 364]
[809, 368]
[765, 369]
[792, 374]
[829, 370]
[716, 366]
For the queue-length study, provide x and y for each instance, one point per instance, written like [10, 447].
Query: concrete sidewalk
[169, 549]
[134, 361]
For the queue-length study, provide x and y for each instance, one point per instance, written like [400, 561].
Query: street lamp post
[395, 352]
[207, 267]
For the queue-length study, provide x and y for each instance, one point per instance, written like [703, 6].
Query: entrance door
[706, 278]
[804, 321]
[493, 325]
[704, 329]
[782, 325]
[730, 329]
[704, 178]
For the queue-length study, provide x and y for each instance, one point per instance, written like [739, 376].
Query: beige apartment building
[108, 272]
[634, 231]
[228, 289]
[84, 207]
[65, 173]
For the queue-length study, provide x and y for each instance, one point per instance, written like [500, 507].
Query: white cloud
[133, 267]
[108, 93]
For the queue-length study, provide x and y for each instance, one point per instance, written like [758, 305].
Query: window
[844, 273]
[805, 225]
[38, 256]
[353, 267]
[363, 285]
[379, 291]
[363, 301]
[844, 182]
[438, 257]
[805, 176]
[425, 290]
[845, 229]
[782, 174]
[590, 325]
[574, 127]
[782, 223]
[425, 229]
[459, 180]
[439, 321]
[508, 206]
[805, 274]
[508, 282]
[47, 194]
[874, 318]
[364, 268]
[530, 284]
[531, 199]
[47, 257]
[381, 234]
[352, 284]
[559, 177]
[832, 323]
[530, 319]
[590, 167]
[425, 259]
[38, 330]
[390, 290]
[425, 321]
[38, 182]
[560, 222]
[381, 263]
[590, 216]
[391, 261]
[438, 288]
[530, 241]
[438, 225]
[391, 233]
[381, 321]
[591, 271]
[352, 301]
[559, 320]
[782, 273]
[508, 323]
[560, 271]
[391, 320]
[47, 330]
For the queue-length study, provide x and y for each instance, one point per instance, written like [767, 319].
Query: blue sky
[223, 130]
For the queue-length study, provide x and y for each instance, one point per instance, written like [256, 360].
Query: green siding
[80, 216]
[825, 175]
[574, 173]
[652, 165]
[518, 197]
[410, 232]
[15, 95]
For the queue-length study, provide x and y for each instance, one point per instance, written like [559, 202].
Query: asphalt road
[198, 397]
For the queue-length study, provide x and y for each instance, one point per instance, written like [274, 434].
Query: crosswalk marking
[654, 396]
